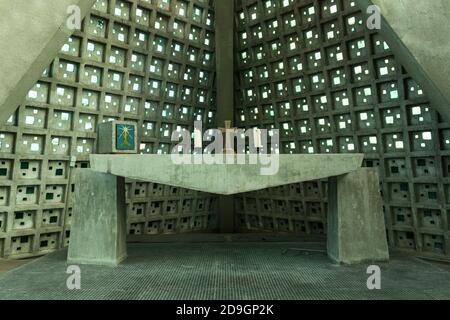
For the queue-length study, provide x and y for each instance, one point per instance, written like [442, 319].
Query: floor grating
[228, 270]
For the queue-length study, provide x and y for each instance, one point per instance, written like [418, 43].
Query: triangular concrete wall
[31, 33]
[418, 33]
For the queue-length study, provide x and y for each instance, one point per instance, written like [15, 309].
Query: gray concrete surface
[417, 31]
[356, 229]
[31, 33]
[98, 232]
[227, 270]
[228, 178]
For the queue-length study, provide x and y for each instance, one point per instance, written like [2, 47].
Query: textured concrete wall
[32, 32]
[388, 117]
[418, 33]
[57, 122]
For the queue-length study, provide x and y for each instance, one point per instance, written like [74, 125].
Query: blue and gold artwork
[125, 137]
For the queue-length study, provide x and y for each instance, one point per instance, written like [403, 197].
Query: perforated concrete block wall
[312, 69]
[148, 61]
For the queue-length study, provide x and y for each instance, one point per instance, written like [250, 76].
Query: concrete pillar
[356, 229]
[98, 232]
[225, 93]
[224, 60]
[226, 218]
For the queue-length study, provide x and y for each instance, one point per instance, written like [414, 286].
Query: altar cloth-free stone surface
[226, 179]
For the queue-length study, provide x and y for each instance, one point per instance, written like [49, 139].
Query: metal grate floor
[225, 270]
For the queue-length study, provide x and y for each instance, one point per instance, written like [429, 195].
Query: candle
[257, 138]
[198, 141]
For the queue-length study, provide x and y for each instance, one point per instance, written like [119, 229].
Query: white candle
[257, 138]
[198, 143]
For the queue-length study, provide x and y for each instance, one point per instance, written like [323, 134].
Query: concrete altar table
[355, 227]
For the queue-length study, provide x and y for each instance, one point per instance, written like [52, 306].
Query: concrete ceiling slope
[226, 179]
[31, 34]
[417, 31]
